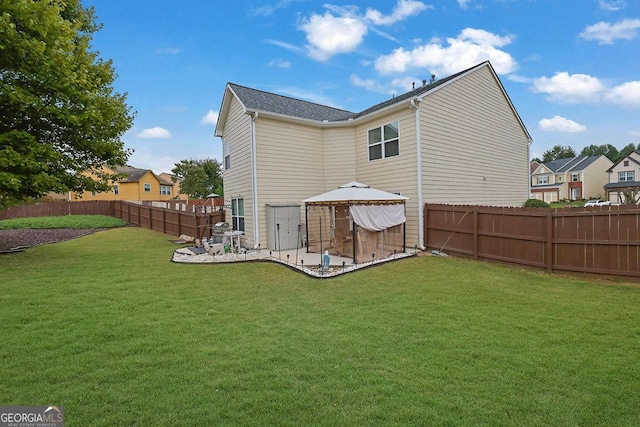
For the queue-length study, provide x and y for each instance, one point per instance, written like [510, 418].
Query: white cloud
[463, 3]
[169, 50]
[280, 63]
[153, 133]
[566, 88]
[471, 47]
[606, 33]
[627, 94]
[403, 10]
[612, 6]
[284, 45]
[329, 35]
[560, 124]
[342, 29]
[211, 118]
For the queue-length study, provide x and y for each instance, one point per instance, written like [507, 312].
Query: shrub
[535, 203]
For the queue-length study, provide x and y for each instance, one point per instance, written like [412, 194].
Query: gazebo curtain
[378, 217]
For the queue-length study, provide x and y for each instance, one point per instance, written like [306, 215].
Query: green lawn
[108, 327]
[64, 221]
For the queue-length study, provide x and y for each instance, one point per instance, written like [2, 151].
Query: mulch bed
[17, 239]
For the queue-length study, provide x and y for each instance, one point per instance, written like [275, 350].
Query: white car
[597, 202]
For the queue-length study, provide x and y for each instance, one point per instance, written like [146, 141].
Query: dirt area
[10, 239]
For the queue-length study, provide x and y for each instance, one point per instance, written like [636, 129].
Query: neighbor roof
[135, 175]
[570, 164]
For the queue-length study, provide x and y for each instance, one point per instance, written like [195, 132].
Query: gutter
[254, 181]
[415, 103]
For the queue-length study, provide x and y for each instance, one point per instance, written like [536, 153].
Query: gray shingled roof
[623, 184]
[132, 174]
[259, 100]
[570, 164]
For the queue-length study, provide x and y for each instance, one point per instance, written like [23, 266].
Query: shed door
[282, 227]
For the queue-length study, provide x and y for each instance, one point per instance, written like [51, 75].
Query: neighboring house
[458, 140]
[136, 184]
[167, 177]
[625, 174]
[573, 178]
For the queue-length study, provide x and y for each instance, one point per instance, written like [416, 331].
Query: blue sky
[570, 67]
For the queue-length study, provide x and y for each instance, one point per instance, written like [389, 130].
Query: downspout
[415, 103]
[254, 182]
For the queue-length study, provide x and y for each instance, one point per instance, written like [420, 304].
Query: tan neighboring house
[458, 140]
[625, 174]
[136, 184]
[573, 178]
[167, 177]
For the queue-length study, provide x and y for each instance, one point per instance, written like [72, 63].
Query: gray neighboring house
[458, 140]
[572, 178]
[625, 174]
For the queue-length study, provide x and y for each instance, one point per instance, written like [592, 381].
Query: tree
[558, 152]
[625, 151]
[61, 119]
[607, 150]
[198, 178]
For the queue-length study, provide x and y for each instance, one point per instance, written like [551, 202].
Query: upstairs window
[384, 142]
[575, 177]
[227, 155]
[625, 176]
[116, 189]
[147, 188]
[543, 180]
[165, 190]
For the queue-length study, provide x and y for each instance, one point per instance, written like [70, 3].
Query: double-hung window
[384, 141]
[543, 180]
[147, 188]
[165, 190]
[116, 189]
[227, 156]
[237, 214]
[625, 176]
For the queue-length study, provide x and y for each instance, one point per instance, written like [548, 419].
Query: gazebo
[356, 221]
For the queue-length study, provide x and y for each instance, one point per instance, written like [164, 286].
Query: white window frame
[116, 189]
[543, 180]
[626, 176]
[147, 187]
[575, 177]
[227, 156]
[165, 190]
[237, 214]
[384, 141]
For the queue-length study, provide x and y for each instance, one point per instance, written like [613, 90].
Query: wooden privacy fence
[601, 240]
[169, 221]
[95, 207]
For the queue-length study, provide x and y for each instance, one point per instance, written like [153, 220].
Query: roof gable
[258, 101]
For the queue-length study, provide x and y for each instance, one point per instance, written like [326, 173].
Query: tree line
[607, 150]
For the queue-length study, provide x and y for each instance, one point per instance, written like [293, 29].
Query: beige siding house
[624, 176]
[572, 178]
[456, 140]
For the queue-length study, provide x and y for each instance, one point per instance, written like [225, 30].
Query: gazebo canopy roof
[354, 193]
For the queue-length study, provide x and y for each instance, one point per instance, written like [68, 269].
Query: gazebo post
[355, 259]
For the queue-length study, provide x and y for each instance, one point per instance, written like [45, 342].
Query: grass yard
[64, 221]
[106, 326]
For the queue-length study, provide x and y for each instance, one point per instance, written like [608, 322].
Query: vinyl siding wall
[237, 179]
[595, 177]
[396, 174]
[290, 165]
[340, 157]
[128, 191]
[474, 148]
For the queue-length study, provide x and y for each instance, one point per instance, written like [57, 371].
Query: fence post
[549, 242]
[164, 221]
[475, 234]
[426, 225]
